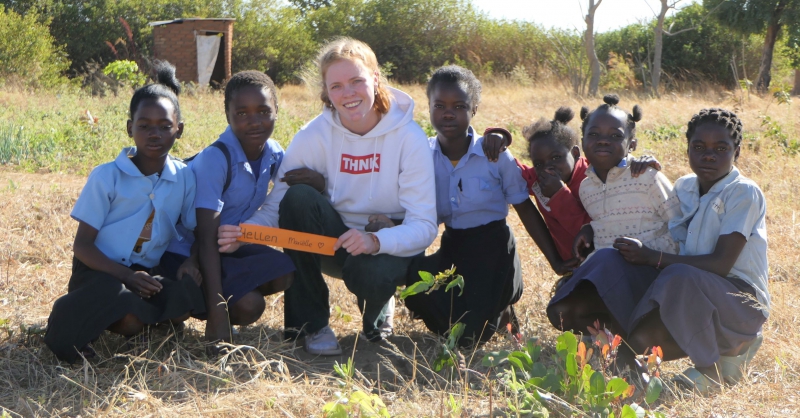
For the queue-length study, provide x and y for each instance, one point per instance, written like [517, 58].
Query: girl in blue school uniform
[709, 301]
[472, 198]
[233, 177]
[127, 213]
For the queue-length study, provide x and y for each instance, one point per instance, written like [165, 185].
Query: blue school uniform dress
[251, 265]
[704, 312]
[472, 201]
[135, 216]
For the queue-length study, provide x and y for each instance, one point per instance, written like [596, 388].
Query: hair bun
[564, 114]
[611, 99]
[584, 112]
[636, 116]
[165, 75]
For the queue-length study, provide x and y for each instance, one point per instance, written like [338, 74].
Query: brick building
[177, 41]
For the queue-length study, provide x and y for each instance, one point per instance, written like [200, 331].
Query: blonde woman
[375, 161]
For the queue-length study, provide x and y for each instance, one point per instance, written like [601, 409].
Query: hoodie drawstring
[373, 163]
[336, 176]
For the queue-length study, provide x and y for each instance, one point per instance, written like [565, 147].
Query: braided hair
[721, 117]
[457, 75]
[166, 85]
[253, 78]
[611, 101]
[556, 129]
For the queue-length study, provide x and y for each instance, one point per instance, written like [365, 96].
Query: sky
[566, 14]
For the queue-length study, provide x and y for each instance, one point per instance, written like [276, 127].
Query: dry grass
[172, 375]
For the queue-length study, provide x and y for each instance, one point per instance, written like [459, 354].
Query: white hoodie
[387, 171]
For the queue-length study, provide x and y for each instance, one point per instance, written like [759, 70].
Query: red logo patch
[360, 164]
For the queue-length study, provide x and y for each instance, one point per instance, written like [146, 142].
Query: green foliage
[85, 26]
[539, 384]
[355, 402]
[694, 56]
[29, 55]
[774, 131]
[126, 72]
[270, 38]
[431, 283]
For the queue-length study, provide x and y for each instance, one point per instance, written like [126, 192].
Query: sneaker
[387, 327]
[323, 343]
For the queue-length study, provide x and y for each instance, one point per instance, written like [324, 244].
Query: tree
[594, 63]
[35, 62]
[758, 16]
[658, 45]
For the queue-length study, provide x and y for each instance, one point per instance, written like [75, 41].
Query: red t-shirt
[563, 212]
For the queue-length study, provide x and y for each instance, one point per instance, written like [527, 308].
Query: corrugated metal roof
[168, 22]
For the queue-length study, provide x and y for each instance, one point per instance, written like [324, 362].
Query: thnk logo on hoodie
[354, 164]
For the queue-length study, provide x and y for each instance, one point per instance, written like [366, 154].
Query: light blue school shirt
[118, 199]
[244, 195]
[475, 191]
[733, 204]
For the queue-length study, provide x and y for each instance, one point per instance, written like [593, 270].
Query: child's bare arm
[305, 176]
[537, 229]
[86, 251]
[719, 262]
[641, 164]
[584, 242]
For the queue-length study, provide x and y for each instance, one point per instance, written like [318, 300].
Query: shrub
[28, 53]
[126, 72]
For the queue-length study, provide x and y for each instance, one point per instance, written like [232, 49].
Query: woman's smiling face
[351, 90]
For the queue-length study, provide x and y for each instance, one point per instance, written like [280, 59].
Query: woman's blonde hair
[352, 50]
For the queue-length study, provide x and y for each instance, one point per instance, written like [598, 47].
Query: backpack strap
[224, 148]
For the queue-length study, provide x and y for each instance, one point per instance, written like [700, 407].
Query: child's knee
[278, 285]
[248, 309]
[128, 325]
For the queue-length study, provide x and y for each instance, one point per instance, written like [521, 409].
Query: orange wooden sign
[285, 238]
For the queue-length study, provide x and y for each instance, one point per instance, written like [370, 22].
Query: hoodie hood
[400, 113]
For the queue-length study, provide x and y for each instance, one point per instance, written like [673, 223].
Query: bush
[28, 54]
[271, 38]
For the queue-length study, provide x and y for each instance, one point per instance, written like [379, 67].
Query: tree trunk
[796, 90]
[655, 75]
[594, 63]
[764, 70]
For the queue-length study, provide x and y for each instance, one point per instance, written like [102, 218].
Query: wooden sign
[285, 238]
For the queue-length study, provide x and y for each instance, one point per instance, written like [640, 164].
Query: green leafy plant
[126, 72]
[774, 131]
[448, 356]
[354, 402]
[568, 380]
[431, 283]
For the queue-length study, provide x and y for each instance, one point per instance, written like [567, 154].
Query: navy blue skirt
[620, 284]
[242, 271]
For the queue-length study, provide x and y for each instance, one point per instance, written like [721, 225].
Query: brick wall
[175, 42]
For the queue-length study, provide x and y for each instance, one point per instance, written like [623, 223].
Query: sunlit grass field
[50, 141]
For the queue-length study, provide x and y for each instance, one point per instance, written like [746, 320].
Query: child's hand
[142, 284]
[192, 268]
[584, 242]
[550, 182]
[634, 252]
[305, 176]
[378, 222]
[494, 143]
[566, 266]
[227, 236]
[640, 165]
[356, 242]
